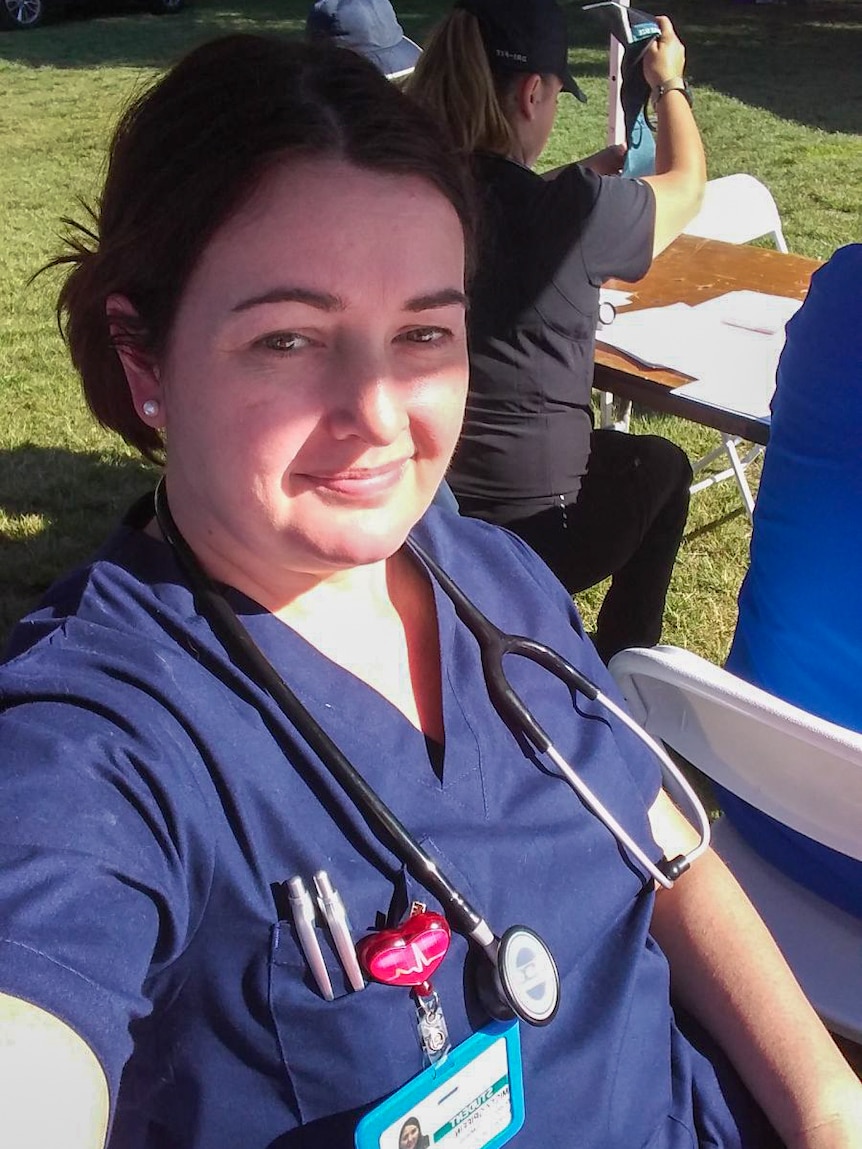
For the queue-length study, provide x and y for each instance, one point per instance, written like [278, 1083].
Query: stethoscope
[520, 977]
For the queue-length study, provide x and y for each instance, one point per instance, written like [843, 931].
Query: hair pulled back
[454, 81]
[186, 155]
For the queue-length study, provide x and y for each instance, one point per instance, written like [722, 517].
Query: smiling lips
[360, 481]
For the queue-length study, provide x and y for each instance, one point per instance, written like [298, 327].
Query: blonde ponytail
[454, 82]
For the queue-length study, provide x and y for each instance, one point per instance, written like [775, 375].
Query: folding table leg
[613, 412]
[736, 470]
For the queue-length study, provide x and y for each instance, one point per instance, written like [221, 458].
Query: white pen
[302, 908]
[333, 910]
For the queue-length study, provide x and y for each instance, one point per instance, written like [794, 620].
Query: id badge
[473, 1100]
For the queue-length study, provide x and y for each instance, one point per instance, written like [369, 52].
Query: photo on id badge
[473, 1100]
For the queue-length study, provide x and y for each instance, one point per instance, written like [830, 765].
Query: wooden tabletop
[692, 270]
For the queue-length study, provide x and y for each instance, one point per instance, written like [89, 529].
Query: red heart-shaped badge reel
[409, 954]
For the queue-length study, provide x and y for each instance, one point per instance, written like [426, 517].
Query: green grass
[778, 94]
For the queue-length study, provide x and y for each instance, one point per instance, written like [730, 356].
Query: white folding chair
[736, 209]
[801, 770]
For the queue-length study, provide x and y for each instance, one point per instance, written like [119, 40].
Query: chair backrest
[738, 209]
[800, 769]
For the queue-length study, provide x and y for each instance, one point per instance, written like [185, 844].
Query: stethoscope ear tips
[674, 868]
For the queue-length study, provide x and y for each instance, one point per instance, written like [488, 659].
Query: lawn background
[778, 94]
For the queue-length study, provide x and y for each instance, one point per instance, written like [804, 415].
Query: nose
[368, 401]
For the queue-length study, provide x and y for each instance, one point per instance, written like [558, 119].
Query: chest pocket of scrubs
[339, 1054]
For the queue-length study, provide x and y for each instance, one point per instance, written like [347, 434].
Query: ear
[141, 370]
[529, 94]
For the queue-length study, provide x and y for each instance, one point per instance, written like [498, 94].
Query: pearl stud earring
[150, 408]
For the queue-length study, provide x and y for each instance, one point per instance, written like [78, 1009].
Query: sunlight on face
[316, 373]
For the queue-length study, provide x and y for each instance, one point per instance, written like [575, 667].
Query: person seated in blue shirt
[799, 630]
[272, 304]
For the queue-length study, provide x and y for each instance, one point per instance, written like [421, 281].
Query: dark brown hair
[185, 156]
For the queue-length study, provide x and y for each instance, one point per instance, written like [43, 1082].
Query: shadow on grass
[120, 33]
[712, 525]
[799, 60]
[65, 504]
[791, 59]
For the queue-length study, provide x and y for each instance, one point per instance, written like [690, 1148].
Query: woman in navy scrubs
[273, 303]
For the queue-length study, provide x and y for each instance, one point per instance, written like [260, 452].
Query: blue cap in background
[367, 26]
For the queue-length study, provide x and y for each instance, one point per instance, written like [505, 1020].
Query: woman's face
[409, 1136]
[313, 384]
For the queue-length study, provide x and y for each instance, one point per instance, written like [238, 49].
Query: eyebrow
[445, 298]
[323, 301]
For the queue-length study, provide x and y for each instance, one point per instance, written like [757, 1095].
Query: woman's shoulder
[573, 187]
[118, 604]
[610, 218]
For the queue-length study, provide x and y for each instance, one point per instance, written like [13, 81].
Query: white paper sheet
[751, 310]
[655, 336]
[614, 296]
[728, 346]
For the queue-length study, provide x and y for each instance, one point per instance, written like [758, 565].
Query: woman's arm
[680, 166]
[608, 162]
[53, 1091]
[728, 973]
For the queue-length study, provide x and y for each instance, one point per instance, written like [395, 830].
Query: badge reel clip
[521, 981]
[408, 956]
[473, 1093]
[635, 31]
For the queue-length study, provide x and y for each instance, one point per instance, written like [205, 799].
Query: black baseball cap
[525, 36]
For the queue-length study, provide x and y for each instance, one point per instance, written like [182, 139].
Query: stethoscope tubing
[676, 866]
[494, 644]
[378, 817]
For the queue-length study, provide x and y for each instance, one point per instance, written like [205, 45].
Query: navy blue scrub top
[153, 800]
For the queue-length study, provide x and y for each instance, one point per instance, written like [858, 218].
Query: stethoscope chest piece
[525, 977]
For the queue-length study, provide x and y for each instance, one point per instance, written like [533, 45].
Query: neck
[381, 625]
[519, 155]
[332, 600]
[376, 620]
[287, 592]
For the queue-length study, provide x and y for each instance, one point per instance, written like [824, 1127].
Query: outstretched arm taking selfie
[52, 1089]
[729, 974]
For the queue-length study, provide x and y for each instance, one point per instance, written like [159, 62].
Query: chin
[359, 536]
[359, 547]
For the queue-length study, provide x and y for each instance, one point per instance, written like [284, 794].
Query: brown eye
[426, 335]
[284, 341]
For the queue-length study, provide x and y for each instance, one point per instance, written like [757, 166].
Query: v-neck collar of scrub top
[366, 726]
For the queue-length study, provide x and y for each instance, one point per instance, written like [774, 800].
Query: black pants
[627, 522]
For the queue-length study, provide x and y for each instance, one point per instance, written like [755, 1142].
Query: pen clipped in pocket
[339, 1054]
